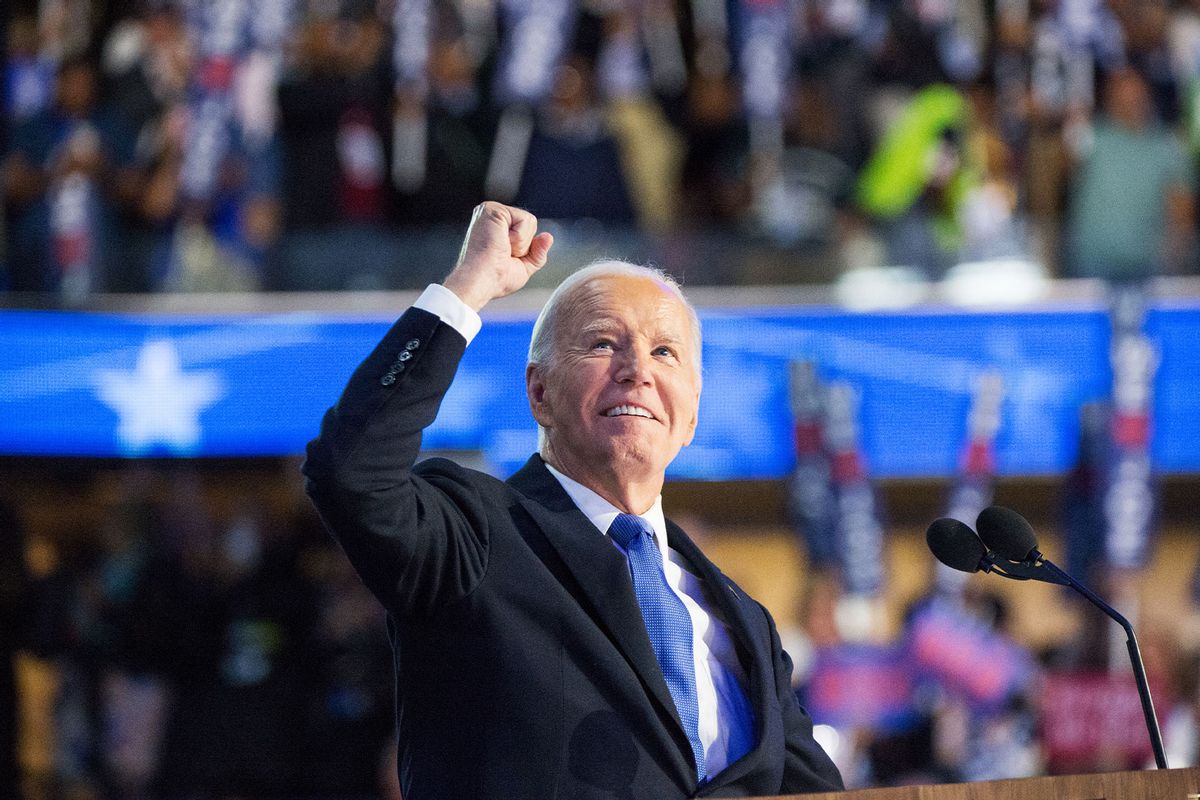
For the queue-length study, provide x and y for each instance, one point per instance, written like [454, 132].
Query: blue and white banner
[219, 29]
[538, 32]
[972, 489]
[411, 25]
[811, 501]
[765, 56]
[112, 385]
[857, 524]
[1129, 492]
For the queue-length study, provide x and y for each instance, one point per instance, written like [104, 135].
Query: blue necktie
[667, 622]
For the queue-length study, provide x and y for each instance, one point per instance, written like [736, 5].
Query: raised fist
[502, 249]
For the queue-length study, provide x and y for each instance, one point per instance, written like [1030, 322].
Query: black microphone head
[954, 544]
[1006, 532]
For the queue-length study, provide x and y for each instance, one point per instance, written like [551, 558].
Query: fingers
[490, 222]
[539, 250]
[493, 212]
[521, 231]
[495, 220]
[501, 250]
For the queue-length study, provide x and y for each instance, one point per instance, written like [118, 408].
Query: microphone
[958, 547]
[954, 544]
[1008, 535]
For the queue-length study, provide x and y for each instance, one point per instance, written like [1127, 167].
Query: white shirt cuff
[437, 299]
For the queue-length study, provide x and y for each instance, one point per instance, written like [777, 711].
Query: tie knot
[627, 527]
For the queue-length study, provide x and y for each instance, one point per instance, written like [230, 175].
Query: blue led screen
[129, 385]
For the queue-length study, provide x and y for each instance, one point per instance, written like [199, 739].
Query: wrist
[465, 292]
[437, 299]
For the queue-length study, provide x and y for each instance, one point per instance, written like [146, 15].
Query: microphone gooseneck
[1011, 537]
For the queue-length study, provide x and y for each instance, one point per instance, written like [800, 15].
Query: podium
[1155, 784]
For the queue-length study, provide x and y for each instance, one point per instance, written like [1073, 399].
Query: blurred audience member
[460, 124]
[147, 63]
[917, 179]
[69, 165]
[651, 151]
[991, 226]
[1145, 24]
[334, 119]
[574, 167]
[349, 720]
[29, 77]
[1132, 206]
[715, 188]
[802, 203]
[241, 616]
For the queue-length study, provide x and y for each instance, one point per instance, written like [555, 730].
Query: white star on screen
[158, 404]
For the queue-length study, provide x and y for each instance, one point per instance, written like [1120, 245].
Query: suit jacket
[523, 666]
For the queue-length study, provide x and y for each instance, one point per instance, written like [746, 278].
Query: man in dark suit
[536, 656]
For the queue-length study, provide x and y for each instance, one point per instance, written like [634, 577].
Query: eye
[602, 344]
[663, 350]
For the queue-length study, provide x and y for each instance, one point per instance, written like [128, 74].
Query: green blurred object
[905, 165]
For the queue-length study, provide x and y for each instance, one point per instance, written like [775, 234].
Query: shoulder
[443, 471]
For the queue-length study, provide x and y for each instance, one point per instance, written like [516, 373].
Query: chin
[639, 459]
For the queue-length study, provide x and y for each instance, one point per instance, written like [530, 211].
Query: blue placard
[123, 385]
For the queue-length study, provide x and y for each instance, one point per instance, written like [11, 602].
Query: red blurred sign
[967, 657]
[858, 685]
[1094, 718]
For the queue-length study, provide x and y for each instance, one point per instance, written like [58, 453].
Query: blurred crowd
[187, 632]
[191, 647]
[168, 145]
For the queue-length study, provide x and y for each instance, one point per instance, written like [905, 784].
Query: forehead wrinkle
[582, 302]
[594, 307]
[671, 325]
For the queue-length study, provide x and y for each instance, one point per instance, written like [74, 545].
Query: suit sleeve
[807, 767]
[417, 537]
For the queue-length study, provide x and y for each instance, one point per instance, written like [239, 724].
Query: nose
[633, 367]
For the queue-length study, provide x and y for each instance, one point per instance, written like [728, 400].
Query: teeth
[633, 411]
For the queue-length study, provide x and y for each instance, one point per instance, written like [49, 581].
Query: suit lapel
[601, 576]
[732, 606]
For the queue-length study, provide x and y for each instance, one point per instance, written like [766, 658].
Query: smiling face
[620, 396]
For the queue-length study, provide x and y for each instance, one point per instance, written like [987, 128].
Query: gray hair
[542, 343]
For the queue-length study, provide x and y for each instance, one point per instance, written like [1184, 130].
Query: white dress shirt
[726, 720]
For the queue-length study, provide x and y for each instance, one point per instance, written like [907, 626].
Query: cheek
[685, 402]
[583, 385]
[568, 401]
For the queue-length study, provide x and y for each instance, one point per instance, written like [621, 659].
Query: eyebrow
[604, 327]
[597, 327]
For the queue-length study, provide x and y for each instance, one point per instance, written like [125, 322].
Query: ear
[535, 390]
[691, 434]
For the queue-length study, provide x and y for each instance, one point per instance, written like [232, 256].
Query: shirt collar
[601, 513]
